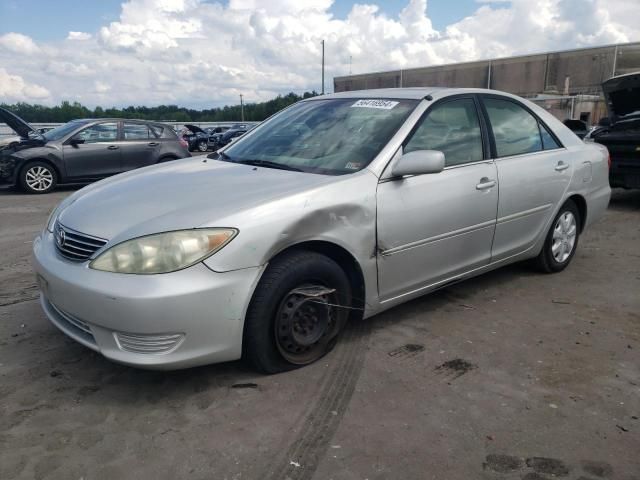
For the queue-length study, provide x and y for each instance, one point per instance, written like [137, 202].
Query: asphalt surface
[513, 375]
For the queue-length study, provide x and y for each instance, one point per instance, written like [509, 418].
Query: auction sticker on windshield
[383, 104]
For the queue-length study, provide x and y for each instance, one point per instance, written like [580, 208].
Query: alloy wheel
[39, 178]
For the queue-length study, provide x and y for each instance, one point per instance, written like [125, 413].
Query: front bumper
[176, 320]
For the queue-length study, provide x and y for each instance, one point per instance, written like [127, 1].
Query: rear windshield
[332, 136]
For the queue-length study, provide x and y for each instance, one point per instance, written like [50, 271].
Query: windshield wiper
[268, 164]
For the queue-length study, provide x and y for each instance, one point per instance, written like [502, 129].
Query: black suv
[621, 132]
[82, 151]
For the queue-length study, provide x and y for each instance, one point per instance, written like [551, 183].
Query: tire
[562, 240]
[202, 146]
[38, 177]
[293, 318]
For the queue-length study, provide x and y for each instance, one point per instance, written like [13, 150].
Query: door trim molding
[524, 213]
[437, 238]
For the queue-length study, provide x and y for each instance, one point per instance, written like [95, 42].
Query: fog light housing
[154, 344]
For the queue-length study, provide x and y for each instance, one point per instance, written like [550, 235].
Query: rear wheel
[562, 240]
[38, 177]
[297, 312]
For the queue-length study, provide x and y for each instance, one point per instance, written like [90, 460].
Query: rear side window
[156, 130]
[452, 128]
[137, 131]
[515, 130]
[548, 142]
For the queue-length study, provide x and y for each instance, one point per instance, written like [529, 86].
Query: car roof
[139, 120]
[411, 93]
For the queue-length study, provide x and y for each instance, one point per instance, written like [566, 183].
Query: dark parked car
[576, 126]
[202, 139]
[83, 151]
[196, 138]
[233, 133]
[621, 132]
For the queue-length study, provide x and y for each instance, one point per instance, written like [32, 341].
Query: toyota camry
[335, 209]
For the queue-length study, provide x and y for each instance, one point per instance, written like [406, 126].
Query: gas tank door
[587, 172]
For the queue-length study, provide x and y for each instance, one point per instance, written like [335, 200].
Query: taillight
[183, 142]
[609, 160]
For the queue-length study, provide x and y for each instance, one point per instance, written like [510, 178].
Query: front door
[533, 171]
[96, 155]
[434, 227]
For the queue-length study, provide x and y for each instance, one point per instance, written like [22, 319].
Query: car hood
[623, 95]
[14, 122]
[177, 195]
[194, 129]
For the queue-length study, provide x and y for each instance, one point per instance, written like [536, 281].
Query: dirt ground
[513, 375]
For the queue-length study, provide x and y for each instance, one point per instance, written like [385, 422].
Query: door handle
[561, 166]
[485, 183]
[153, 144]
[113, 147]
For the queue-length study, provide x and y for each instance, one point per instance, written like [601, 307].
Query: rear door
[434, 227]
[534, 172]
[140, 146]
[97, 153]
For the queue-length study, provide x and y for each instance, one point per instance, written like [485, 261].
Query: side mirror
[74, 142]
[419, 162]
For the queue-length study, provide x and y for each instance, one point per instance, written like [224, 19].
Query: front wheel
[562, 240]
[38, 177]
[299, 307]
[202, 146]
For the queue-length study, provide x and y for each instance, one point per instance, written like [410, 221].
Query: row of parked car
[212, 138]
[86, 150]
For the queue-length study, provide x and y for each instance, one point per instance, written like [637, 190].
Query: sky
[205, 53]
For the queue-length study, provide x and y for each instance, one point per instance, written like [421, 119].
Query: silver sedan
[335, 209]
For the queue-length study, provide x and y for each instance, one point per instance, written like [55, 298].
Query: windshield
[332, 137]
[63, 130]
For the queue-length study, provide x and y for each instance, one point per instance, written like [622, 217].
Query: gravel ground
[513, 375]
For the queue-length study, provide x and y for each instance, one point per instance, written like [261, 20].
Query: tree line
[71, 110]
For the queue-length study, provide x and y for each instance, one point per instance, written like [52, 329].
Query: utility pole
[350, 60]
[241, 109]
[322, 67]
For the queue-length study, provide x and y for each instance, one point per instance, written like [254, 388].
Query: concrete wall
[569, 72]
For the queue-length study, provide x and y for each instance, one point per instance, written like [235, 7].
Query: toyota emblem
[61, 238]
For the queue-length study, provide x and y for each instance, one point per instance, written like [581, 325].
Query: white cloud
[101, 87]
[78, 36]
[202, 54]
[14, 88]
[18, 43]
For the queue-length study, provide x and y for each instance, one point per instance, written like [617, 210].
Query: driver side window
[452, 128]
[103, 132]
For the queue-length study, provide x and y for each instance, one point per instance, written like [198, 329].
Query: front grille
[148, 344]
[75, 245]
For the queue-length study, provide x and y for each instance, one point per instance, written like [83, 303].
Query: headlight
[163, 252]
[53, 216]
